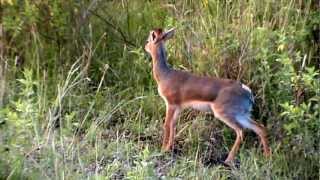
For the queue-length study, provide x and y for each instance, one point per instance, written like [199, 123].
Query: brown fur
[182, 87]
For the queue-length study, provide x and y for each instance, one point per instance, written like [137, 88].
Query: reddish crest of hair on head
[158, 31]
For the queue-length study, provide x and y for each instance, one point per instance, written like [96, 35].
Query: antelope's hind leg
[231, 122]
[260, 130]
[239, 138]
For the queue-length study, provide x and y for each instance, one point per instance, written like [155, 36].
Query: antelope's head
[156, 39]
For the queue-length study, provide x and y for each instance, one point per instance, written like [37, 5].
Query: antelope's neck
[160, 67]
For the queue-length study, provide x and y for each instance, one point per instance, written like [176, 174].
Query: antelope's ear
[168, 34]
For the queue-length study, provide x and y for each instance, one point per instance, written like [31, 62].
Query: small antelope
[229, 100]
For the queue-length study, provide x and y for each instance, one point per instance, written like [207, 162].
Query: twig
[242, 55]
[117, 29]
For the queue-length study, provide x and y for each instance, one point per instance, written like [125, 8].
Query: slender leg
[173, 123]
[261, 132]
[167, 127]
[236, 144]
[239, 132]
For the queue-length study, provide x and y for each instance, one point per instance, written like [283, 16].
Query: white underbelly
[203, 106]
[199, 105]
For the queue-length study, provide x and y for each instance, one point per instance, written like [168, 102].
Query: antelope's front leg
[169, 127]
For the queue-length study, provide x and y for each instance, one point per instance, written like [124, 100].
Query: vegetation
[77, 98]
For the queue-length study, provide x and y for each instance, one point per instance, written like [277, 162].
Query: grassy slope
[81, 103]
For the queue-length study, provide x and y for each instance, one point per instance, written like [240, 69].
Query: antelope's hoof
[267, 153]
[165, 148]
[228, 162]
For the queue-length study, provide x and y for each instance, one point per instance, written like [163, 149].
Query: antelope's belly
[198, 105]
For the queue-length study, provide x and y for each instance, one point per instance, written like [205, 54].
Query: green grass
[80, 103]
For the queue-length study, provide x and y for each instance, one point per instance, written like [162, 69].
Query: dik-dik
[230, 101]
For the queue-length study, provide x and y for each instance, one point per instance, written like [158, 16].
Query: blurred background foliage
[77, 98]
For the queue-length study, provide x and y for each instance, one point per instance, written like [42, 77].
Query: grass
[80, 101]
